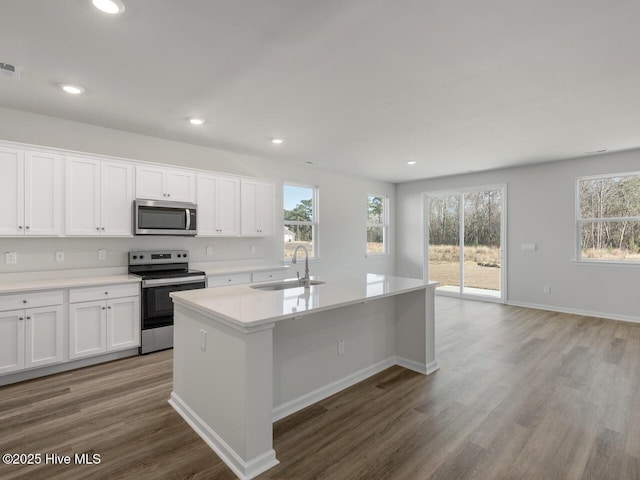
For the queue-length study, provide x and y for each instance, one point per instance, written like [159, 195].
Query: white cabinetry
[99, 197]
[30, 330]
[258, 203]
[268, 275]
[156, 183]
[30, 193]
[218, 206]
[228, 279]
[103, 319]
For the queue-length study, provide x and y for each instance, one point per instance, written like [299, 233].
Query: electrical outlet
[102, 254]
[209, 250]
[546, 289]
[11, 258]
[340, 346]
[59, 256]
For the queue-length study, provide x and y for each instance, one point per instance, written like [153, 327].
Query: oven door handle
[188, 212]
[160, 282]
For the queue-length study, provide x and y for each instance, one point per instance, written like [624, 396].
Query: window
[608, 218]
[377, 224]
[300, 219]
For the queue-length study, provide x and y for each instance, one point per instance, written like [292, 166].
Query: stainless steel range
[162, 272]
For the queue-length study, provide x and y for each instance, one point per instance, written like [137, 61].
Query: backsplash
[39, 254]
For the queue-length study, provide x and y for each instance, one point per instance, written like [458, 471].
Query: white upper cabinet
[218, 206]
[30, 193]
[116, 194]
[99, 197]
[258, 206]
[156, 183]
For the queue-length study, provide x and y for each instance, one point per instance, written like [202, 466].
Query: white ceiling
[359, 86]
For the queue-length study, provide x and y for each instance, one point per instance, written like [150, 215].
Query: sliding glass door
[465, 235]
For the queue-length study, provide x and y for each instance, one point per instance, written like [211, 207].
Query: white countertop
[231, 269]
[14, 286]
[243, 306]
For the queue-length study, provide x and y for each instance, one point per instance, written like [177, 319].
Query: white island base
[244, 358]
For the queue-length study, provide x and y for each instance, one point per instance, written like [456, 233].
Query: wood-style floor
[520, 394]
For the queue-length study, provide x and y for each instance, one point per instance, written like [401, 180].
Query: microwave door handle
[188, 212]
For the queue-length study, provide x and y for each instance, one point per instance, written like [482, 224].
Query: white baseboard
[244, 470]
[321, 393]
[575, 311]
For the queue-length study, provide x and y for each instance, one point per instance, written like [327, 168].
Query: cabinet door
[181, 186]
[43, 336]
[123, 323]
[82, 197]
[11, 341]
[266, 194]
[150, 183]
[87, 329]
[228, 206]
[116, 199]
[207, 188]
[11, 192]
[43, 194]
[248, 208]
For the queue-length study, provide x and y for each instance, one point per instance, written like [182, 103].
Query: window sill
[287, 261]
[605, 263]
[377, 255]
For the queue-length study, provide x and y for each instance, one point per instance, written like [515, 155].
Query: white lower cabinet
[31, 337]
[103, 326]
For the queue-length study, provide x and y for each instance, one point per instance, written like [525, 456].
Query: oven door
[157, 306]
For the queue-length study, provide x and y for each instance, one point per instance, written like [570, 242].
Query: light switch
[11, 258]
[203, 340]
[209, 250]
[102, 254]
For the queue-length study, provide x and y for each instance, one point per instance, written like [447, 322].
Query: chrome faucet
[306, 279]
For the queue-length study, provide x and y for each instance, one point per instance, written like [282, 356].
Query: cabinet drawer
[103, 293]
[31, 300]
[233, 279]
[269, 275]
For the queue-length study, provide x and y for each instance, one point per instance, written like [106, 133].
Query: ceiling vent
[8, 70]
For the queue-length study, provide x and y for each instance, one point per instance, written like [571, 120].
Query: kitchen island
[246, 357]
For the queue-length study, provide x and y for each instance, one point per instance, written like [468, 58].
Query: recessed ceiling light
[196, 121]
[411, 162]
[111, 7]
[277, 141]
[72, 89]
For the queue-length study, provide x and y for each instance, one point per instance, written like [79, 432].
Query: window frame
[315, 253]
[384, 225]
[580, 221]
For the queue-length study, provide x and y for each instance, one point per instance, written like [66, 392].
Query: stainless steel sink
[284, 285]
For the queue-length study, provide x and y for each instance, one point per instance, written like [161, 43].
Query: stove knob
[184, 255]
[180, 255]
[135, 257]
[141, 257]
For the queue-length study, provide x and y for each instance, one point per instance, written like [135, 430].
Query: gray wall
[540, 210]
[342, 201]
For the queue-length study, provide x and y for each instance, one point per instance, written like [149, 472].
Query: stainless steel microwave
[158, 217]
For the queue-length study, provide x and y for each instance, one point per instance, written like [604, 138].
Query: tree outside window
[608, 218]
[300, 219]
[377, 224]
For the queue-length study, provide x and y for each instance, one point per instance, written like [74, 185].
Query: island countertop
[245, 307]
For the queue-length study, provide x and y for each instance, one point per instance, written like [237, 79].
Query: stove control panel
[157, 257]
